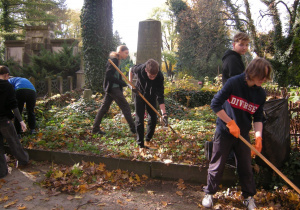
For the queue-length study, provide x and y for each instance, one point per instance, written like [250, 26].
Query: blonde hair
[257, 69]
[120, 48]
[152, 66]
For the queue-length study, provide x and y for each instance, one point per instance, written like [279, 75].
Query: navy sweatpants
[222, 145]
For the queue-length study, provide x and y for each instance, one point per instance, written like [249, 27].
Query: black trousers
[29, 97]
[140, 107]
[114, 95]
[222, 145]
[8, 132]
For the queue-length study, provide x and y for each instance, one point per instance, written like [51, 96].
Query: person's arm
[19, 117]
[130, 75]
[258, 127]
[223, 116]
[163, 109]
[110, 71]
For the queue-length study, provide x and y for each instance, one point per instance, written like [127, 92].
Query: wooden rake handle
[141, 95]
[270, 164]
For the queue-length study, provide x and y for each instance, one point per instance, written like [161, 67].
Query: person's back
[7, 99]
[21, 83]
[232, 59]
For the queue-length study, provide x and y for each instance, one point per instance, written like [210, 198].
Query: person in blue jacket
[25, 93]
[239, 103]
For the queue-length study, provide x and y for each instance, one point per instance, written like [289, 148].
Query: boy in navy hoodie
[239, 103]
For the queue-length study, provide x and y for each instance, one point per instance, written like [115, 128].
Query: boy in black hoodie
[150, 83]
[239, 103]
[233, 65]
[232, 59]
[8, 103]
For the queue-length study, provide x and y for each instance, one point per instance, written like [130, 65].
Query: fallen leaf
[70, 197]
[28, 198]
[10, 204]
[150, 192]
[164, 203]
[180, 193]
[22, 207]
[58, 174]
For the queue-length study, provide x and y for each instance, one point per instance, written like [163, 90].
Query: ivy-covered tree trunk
[97, 37]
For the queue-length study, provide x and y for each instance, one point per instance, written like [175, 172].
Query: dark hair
[257, 69]
[241, 36]
[120, 48]
[4, 70]
[152, 66]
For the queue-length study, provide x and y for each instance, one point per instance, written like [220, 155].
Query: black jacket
[110, 79]
[241, 103]
[232, 65]
[147, 87]
[8, 100]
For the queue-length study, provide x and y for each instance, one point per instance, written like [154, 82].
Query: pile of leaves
[85, 177]
[89, 176]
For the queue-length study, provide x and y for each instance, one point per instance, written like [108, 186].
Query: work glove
[135, 90]
[233, 128]
[165, 119]
[258, 145]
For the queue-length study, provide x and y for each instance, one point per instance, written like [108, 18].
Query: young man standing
[232, 59]
[8, 103]
[150, 83]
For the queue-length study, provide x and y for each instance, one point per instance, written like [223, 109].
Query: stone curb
[155, 170]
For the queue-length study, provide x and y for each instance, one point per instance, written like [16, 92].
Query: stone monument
[149, 41]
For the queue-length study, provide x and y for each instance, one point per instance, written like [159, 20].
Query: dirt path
[19, 190]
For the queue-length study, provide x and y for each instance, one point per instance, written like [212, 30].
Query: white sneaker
[207, 201]
[249, 203]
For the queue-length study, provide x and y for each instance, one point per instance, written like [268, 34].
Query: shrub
[192, 98]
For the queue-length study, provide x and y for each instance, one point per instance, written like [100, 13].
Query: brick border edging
[155, 170]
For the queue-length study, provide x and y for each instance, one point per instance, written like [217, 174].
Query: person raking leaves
[150, 83]
[239, 103]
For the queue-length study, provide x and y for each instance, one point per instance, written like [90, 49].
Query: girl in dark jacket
[113, 86]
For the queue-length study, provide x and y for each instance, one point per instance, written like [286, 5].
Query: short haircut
[257, 69]
[241, 36]
[4, 70]
[152, 66]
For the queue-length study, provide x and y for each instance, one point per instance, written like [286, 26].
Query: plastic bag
[276, 133]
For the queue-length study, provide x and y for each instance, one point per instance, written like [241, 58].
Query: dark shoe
[22, 165]
[32, 131]
[99, 132]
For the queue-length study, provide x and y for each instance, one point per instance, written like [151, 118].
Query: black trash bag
[276, 143]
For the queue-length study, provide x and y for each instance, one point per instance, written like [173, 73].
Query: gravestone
[149, 41]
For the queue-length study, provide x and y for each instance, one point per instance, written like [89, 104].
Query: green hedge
[192, 98]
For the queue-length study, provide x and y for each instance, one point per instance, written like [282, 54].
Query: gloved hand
[135, 90]
[233, 128]
[23, 126]
[165, 119]
[258, 145]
